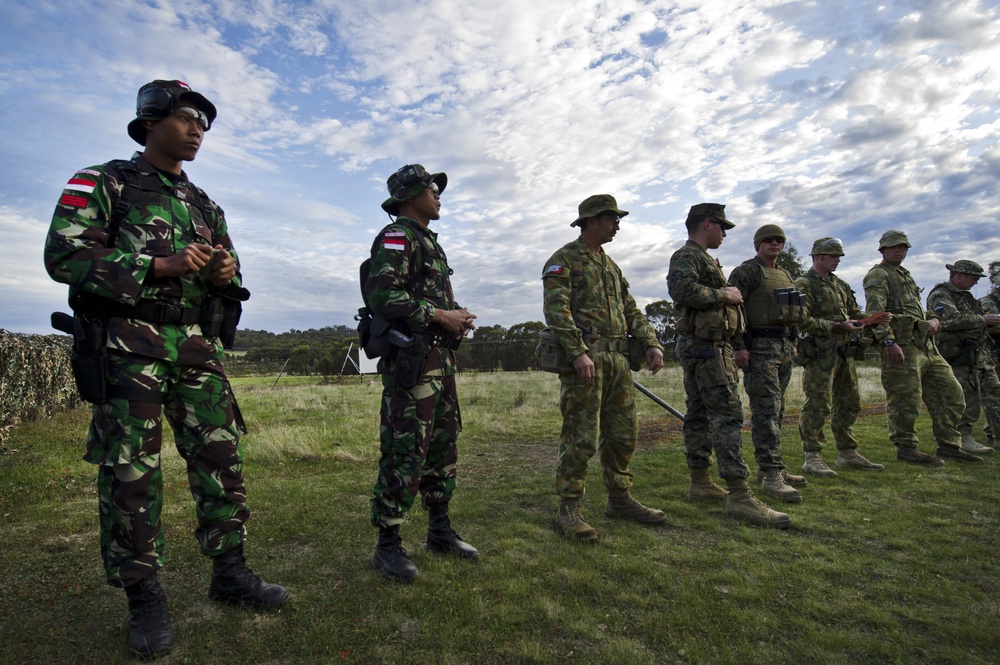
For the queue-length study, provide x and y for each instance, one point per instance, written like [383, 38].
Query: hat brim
[578, 220]
[964, 272]
[137, 130]
[391, 204]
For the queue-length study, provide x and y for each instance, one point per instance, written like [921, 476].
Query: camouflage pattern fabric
[419, 426]
[829, 392]
[991, 305]
[961, 316]
[600, 416]
[714, 414]
[174, 362]
[923, 375]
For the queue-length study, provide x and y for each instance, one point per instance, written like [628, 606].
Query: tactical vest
[816, 291]
[900, 297]
[760, 306]
[961, 347]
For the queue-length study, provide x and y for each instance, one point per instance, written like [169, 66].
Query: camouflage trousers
[839, 386]
[714, 417]
[125, 441]
[923, 375]
[982, 394]
[765, 381]
[418, 440]
[597, 418]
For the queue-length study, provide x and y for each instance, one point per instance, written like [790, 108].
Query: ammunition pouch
[636, 354]
[785, 308]
[858, 348]
[718, 324]
[961, 352]
[373, 334]
[89, 357]
[921, 331]
[410, 363]
[213, 312]
[716, 365]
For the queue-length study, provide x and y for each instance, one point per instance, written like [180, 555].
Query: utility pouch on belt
[718, 367]
[719, 323]
[213, 312]
[550, 353]
[921, 330]
[410, 362]
[89, 358]
[636, 354]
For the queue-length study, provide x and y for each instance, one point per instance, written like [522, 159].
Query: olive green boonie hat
[767, 231]
[713, 211]
[967, 267]
[407, 182]
[158, 99]
[829, 246]
[891, 238]
[592, 206]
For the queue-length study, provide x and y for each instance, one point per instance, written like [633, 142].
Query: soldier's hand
[189, 260]
[992, 319]
[654, 359]
[742, 358]
[851, 326]
[894, 354]
[223, 267]
[456, 321]
[935, 326]
[733, 295]
[584, 367]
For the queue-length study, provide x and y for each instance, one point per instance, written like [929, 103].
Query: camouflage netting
[35, 378]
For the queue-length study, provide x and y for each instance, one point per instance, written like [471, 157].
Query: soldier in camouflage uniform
[912, 368]
[145, 252]
[964, 341]
[764, 353]
[409, 285]
[588, 306]
[710, 318]
[829, 378]
[991, 305]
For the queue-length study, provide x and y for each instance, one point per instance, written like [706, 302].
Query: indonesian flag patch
[394, 240]
[554, 270]
[81, 184]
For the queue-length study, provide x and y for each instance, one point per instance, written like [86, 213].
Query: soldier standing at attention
[828, 371]
[912, 368]
[964, 341]
[410, 286]
[148, 258]
[764, 353]
[991, 305]
[711, 316]
[588, 306]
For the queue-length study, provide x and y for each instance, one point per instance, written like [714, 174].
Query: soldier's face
[178, 136]
[964, 281]
[606, 226]
[427, 204]
[771, 247]
[894, 255]
[826, 263]
[716, 232]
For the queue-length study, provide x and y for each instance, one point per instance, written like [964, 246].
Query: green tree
[790, 260]
[662, 315]
[517, 352]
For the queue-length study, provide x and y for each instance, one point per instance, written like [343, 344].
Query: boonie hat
[407, 182]
[592, 206]
[893, 237]
[157, 99]
[713, 211]
[767, 231]
[830, 246]
[966, 267]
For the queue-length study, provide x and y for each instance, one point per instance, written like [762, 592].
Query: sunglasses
[189, 115]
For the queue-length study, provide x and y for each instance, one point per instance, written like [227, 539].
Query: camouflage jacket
[829, 300]
[892, 289]
[991, 305]
[695, 280]
[961, 318]
[159, 225]
[596, 300]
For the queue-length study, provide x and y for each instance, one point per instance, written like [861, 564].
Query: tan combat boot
[742, 504]
[702, 487]
[970, 445]
[816, 466]
[622, 505]
[775, 485]
[852, 458]
[794, 481]
[572, 525]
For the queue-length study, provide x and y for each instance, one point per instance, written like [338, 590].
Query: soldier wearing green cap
[409, 286]
[829, 377]
[148, 258]
[964, 341]
[912, 368]
[765, 352]
[588, 306]
[711, 318]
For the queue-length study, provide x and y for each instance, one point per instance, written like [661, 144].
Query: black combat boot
[390, 557]
[149, 631]
[233, 582]
[440, 537]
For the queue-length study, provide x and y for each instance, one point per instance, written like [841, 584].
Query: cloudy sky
[828, 118]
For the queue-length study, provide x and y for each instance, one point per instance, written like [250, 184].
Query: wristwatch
[888, 342]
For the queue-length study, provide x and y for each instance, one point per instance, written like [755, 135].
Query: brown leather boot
[569, 520]
[913, 456]
[775, 485]
[794, 481]
[703, 488]
[852, 458]
[622, 505]
[742, 504]
[815, 465]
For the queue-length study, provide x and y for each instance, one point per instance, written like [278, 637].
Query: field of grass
[893, 567]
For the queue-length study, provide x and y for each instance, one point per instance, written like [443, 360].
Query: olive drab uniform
[964, 341]
[706, 328]
[924, 374]
[829, 377]
[419, 425]
[991, 305]
[159, 360]
[588, 306]
[770, 339]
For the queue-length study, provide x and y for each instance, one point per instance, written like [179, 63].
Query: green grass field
[893, 567]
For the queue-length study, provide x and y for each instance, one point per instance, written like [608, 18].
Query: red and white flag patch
[79, 184]
[554, 270]
[394, 241]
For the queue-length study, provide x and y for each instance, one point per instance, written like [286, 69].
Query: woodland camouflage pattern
[831, 376]
[714, 415]
[991, 305]
[600, 416]
[418, 434]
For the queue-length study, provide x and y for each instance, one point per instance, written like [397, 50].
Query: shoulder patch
[554, 270]
[71, 201]
[80, 183]
[395, 242]
[88, 172]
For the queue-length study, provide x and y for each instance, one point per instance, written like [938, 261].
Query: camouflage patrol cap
[157, 99]
[967, 267]
[592, 206]
[891, 238]
[713, 211]
[767, 231]
[829, 246]
[409, 181]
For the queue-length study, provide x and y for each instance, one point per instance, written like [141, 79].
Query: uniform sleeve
[683, 285]
[636, 321]
[813, 325]
[76, 251]
[391, 271]
[557, 282]
[220, 236]
[876, 300]
[942, 305]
